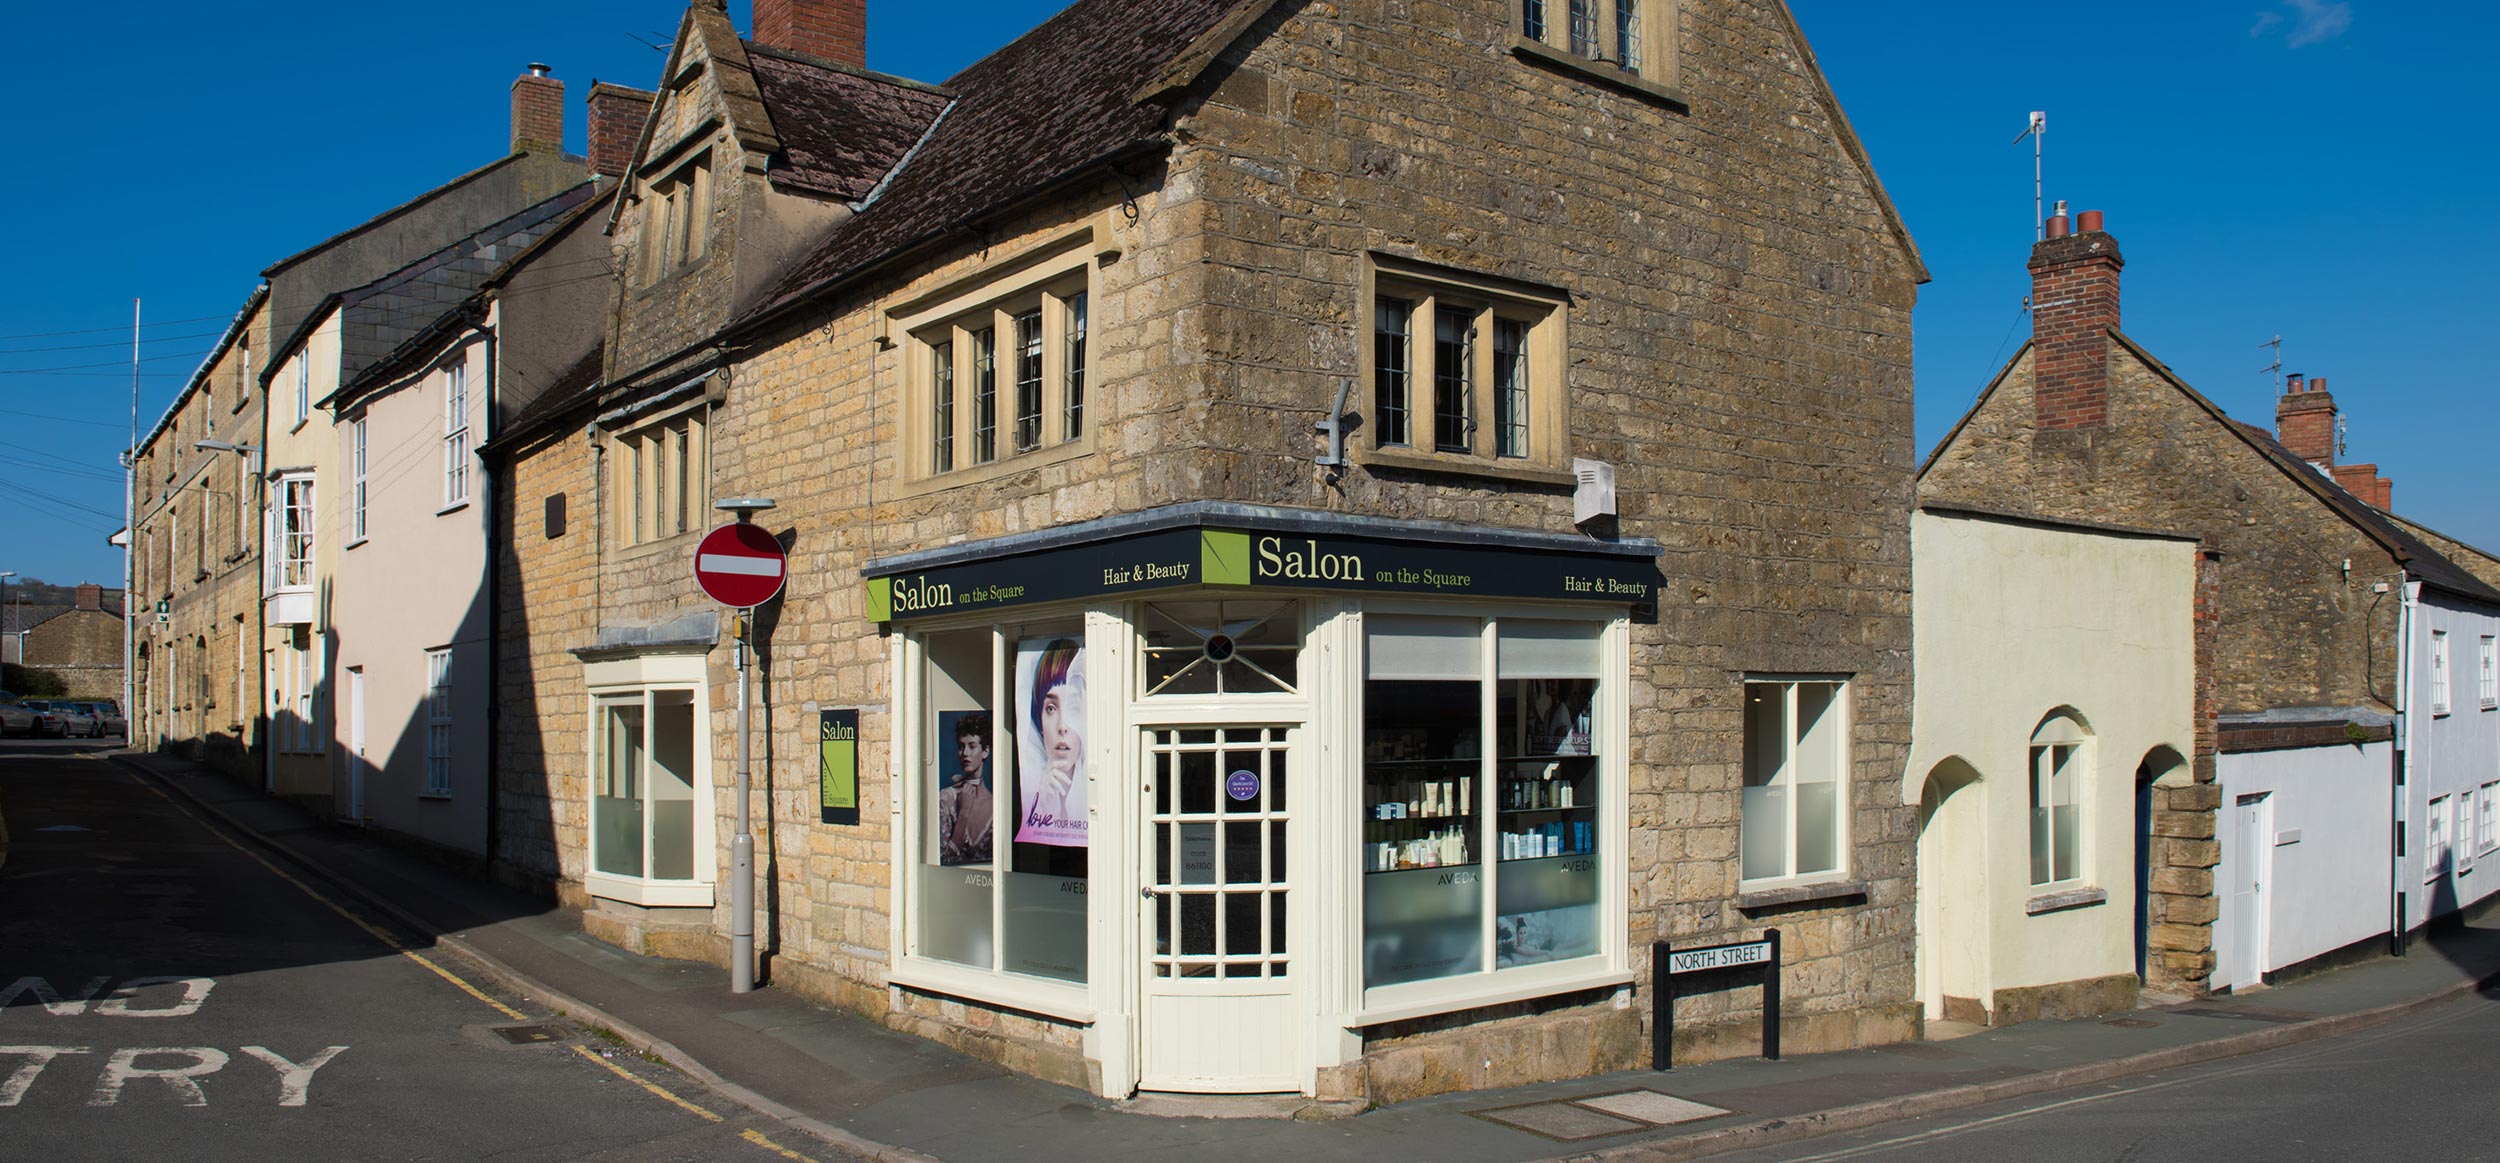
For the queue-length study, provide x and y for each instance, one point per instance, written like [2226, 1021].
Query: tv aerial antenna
[2275, 368]
[2036, 130]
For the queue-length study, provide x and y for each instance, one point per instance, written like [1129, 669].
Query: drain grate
[529, 1035]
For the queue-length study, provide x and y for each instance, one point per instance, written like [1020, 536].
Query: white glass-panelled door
[1222, 1009]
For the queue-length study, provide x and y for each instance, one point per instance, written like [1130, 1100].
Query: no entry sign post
[741, 566]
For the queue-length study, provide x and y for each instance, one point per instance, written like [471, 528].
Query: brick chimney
[2074, 308]
[90, 596]
[616, 117]
[2304, 422]
[834, 30]
[537, 111]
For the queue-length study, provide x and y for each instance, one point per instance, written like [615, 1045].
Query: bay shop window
[1216, 813]
[650, 781]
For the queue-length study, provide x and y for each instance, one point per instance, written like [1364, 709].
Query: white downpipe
[2401, 846]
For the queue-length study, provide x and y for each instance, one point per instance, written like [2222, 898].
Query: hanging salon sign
[1200, 556]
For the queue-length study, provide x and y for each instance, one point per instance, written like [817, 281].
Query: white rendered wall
[2013, 622]
[2330, 851]
[2452, 756]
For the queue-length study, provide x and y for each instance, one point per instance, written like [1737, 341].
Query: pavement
[872, 1092]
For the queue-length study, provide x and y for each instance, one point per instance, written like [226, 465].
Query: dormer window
[676, 217]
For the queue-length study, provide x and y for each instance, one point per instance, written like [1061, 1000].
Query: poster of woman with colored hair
[1050, 742]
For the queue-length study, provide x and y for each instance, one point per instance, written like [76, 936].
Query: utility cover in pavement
[1571, 1120]
[529, 1035]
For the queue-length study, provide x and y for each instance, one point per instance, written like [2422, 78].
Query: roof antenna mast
[2038, 129]
[2275, 368]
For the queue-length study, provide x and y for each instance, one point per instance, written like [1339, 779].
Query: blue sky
[2319, 171]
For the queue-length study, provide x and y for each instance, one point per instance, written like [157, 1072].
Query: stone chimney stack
[833, 30]
[90, 596]
[616, 117]
[2074, 309]
[537, 111]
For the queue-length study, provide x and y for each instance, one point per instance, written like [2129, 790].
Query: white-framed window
[999, 371]
[1796, 797]
[650, 785]
[303, 387]
[2059, 763]
[662, 477]
[1465, 372]
[2436, 851]
[438, 737]
[1000, 872]
[2439, 672]
[296, 525]
[2486, 807]
[455, 433]
[2487, 669]
[1488, 774]
[358, 463]
[1631, 38]
[243, 381]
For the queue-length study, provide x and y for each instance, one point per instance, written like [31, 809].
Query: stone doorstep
[1597, 1116]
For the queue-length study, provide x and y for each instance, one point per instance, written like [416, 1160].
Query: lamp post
[742, 845]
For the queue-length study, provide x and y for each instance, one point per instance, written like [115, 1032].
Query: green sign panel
[1233, 557]
[837, 770]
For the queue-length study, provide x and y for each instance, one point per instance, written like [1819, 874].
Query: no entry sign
[740, 565]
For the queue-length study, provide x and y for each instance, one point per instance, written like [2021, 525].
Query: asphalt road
[170, 991]
[2419, 1088]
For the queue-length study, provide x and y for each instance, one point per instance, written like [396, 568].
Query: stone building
[196, 521]
[1469, 455]
[79, 644]
[2270, 849]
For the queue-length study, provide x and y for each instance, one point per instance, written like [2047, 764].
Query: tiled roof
[377, 318]
[1058, 101]
[2419, 559]
[14, 617]
[841, 129]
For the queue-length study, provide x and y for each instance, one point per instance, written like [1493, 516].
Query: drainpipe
[2398, 794]
[488, 504]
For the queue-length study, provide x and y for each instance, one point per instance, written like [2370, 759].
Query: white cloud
[2312, 22]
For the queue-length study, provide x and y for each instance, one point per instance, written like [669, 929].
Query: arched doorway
[1952, 895]
[2165, 767]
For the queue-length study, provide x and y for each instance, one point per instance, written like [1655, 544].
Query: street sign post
[1666, 963]
[740, 566]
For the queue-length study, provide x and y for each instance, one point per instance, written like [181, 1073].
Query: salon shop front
[1204, 794]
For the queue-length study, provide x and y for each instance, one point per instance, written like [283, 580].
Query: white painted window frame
[644, 675]
[456, 432]
[1847, 699]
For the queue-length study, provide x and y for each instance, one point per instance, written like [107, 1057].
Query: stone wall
[1739, 322]
[546, 605]
[1739, 336]
[198, 687]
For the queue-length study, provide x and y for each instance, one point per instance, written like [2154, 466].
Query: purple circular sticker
[1242, 785]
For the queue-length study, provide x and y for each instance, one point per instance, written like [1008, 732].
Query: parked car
[108, 717]
[48, 720]
[15, 717]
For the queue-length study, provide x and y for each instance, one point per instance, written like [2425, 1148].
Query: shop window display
[1004, 845]
[1479, 860]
